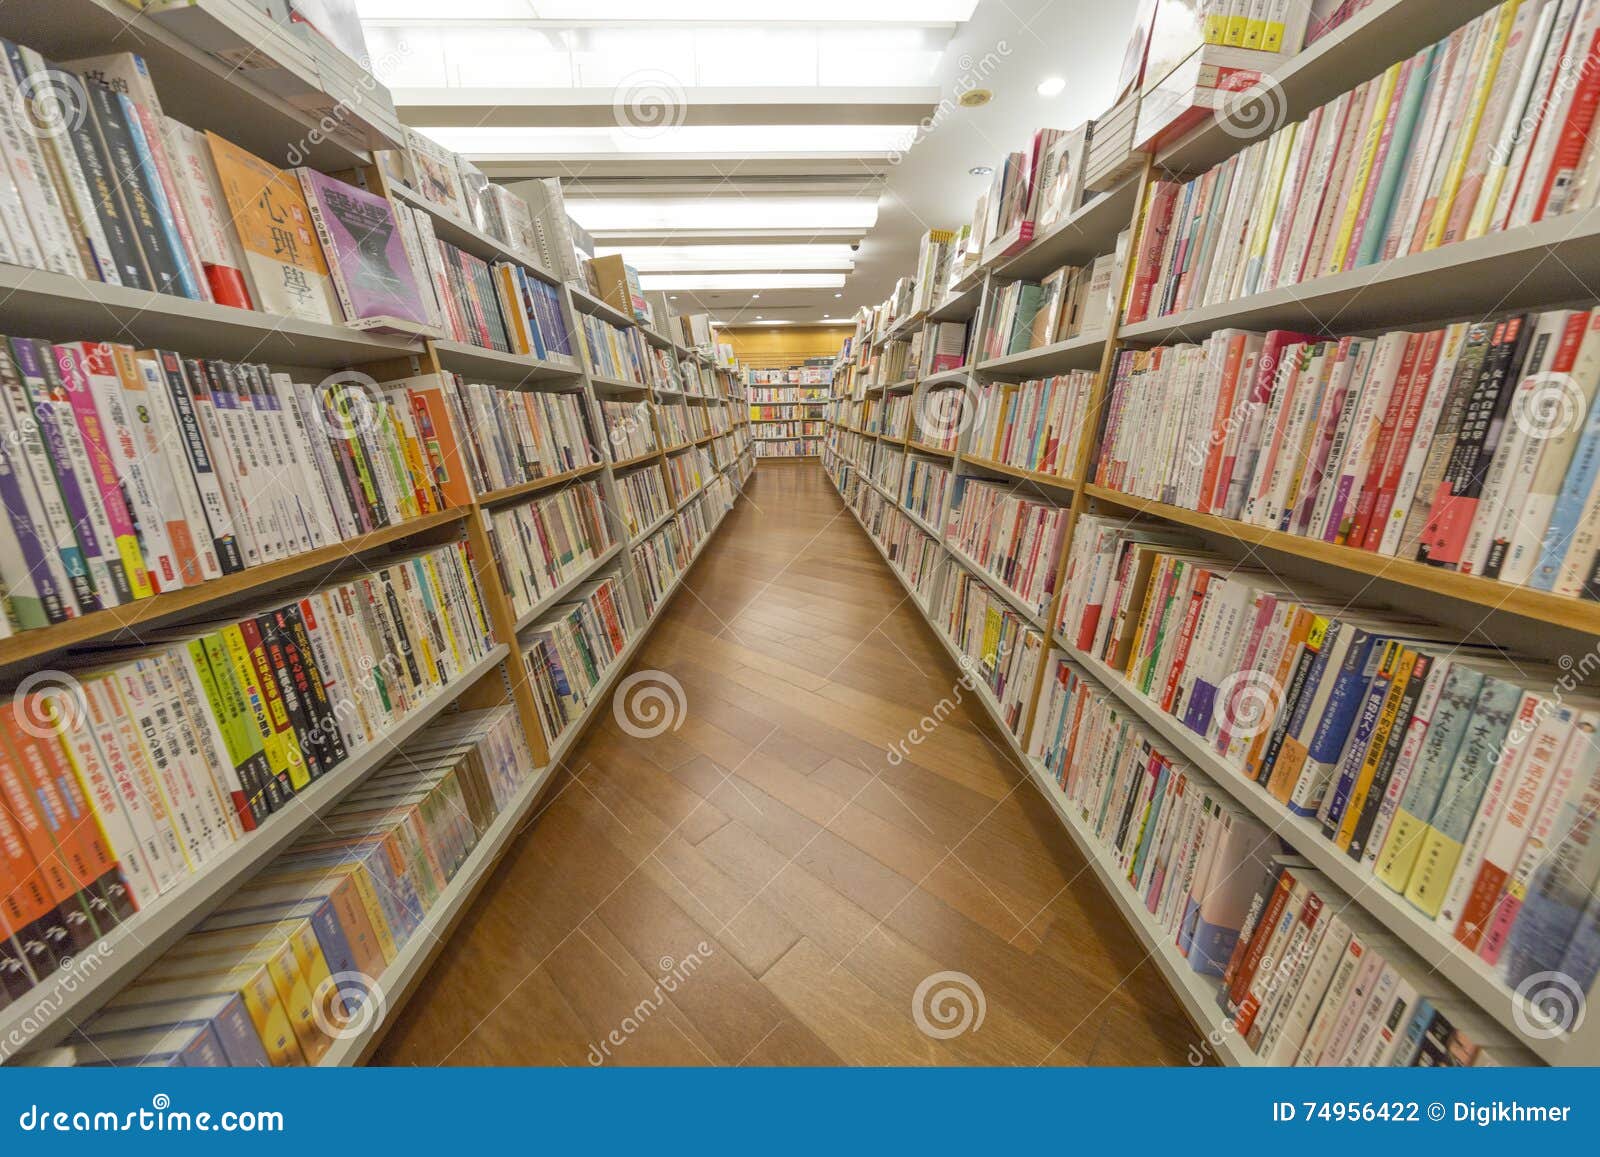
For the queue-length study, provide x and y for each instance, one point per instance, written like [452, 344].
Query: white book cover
[1542, 101]
[47, 223]
[198, 495]
[1422, 440]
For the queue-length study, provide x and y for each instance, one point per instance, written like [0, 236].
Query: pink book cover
[72, 359]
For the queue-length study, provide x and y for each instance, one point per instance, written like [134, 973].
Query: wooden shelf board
[52, 305]
[112, 624]
[506, 494]
[528, 617]
[1053, 481]
[636, 460]
[924, 448]
[1574, 614]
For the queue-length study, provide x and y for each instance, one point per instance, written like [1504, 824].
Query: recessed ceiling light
[674, 297]
[838, 295]
[758, 317]
[754, 296]
[824, 317]
[981, 170]
[975, 97]
[1051, 85]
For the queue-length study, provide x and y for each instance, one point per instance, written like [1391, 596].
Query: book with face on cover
[366, 255]
[283, 258]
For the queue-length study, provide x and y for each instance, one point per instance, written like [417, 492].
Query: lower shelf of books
[408, 968]
[566, 588]
[1425, 937]
[51, 1010]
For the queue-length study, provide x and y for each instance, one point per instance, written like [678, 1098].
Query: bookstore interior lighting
[489, 579]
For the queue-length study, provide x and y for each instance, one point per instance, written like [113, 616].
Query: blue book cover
[158, 200]
[1151, 822]
[1570, 504]
[1411, 1041]
[1419, 71]
[1355, 749]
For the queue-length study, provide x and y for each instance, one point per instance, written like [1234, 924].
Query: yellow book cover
[1358, 187]
[1461, 155]
[1272, 32]
[446, 623]
[1283, 151]
[366, 894]
[1216, 23]
[470, 583]
[285, 762]
[1399, 855]
[251, 979]
[1396, 667]
[1152, 597]
[991, 635]
[1238, 22]
[1437, 857]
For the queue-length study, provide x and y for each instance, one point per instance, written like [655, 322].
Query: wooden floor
[762, 886]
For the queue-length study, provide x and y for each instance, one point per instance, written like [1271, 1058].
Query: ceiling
[764, 164]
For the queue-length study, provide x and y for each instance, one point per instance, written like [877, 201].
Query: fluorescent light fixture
[620, 214]
[981, 170]
[1051, 86]
[711, 140]
[838, 295]
[832, 258]
[920, 12]
[708, 281]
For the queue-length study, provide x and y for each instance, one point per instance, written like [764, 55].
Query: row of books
[886, 465]
[630, 429]
[807, 375]
[540, 545]
[927, 482]
[284, 965]
[658, 562]
[918, 557]
[896, 412]
[1472, 447]
[1424, 759]
[1002, 651]
[688, 471]
[1483, 131]
[512, 436]
[1014, 539]
[496, 305]
[1073, 301]
[130, 472]
[642, 499]
[804, 448]
[789, 395]
[941, 415]
[773, 413]
[1305, 977]
[696, 521]
[805, 429]
[569, 653]
[673, 424]
[1036, 425]
[944, 346]
[182, 746]
[623, 354]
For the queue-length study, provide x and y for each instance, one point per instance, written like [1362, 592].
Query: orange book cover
[441, 443]
[283, 258]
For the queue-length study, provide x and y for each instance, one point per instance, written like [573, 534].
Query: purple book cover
[364, 249]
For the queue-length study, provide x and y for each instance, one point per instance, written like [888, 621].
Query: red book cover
[1574, 135]
[1232, 361]
[1258, 939]
[1405, 382]
[1399, 446]
[1191, 615]
[1152, 243]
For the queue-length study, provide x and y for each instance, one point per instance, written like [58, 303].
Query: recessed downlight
[1051, 86]
[981, 170]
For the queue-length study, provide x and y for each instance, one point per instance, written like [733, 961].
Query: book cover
[361, 241]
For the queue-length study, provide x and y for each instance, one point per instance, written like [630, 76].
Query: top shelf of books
[224, 66]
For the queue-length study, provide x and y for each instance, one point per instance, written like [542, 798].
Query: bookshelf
[787, 408]
[201, 90]
[1548, 264]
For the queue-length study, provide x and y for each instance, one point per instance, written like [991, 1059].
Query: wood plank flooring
[761, 886]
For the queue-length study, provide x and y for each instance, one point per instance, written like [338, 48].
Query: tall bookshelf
[788, 407]
[1542, 265]
[208, 94]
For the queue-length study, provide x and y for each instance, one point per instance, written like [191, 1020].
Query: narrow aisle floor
[762, 885]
